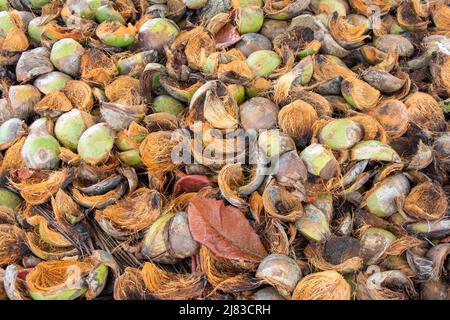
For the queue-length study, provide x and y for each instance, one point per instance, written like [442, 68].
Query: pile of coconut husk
[237, 149]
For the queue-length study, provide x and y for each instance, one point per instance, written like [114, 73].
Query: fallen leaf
[224, 230]
[192, 183]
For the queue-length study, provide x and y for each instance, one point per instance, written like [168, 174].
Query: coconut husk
[12, 245]
[166, 285]
[135, 213]
[156, 152]
[36, 191]
[329, 67]
[276, 238]
[316, 259]
[401, 245]
[326, 285]
[230, 179]
[424, 111]
[15, 41]
[322, 106]
[80, 95]
[13, 156]
[373, 130]
[81, 33]
[66, 211]
[345, 33]
[69, 157]
[99, 201]
[289, 200]
[97, 67]
[199, 45]
[46, 252]
[441, 16]
[426, 201]
[53, 105]
[161, 122]
[55, 276]
[130, 285]
[7, 216]
[122, 87]
[297, 120]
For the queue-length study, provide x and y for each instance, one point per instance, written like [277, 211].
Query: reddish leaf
[224, 230]
[193, 183]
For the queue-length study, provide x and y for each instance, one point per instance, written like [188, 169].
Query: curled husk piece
[326, 285]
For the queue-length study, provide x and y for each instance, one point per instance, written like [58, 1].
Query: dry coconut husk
[156, 152]
[297, 120]
[329, 67]
[80, 95]
[80, 33]
[322, 106]
[7, 216]
[373, 130]
[36, 191]
[13, 157]
[97, 67]
[345, 33]
[12, 244]
[223, 276]
[425, 111]
[316, 259]
[166, 285]
[69, 157]
[135, 213]
[53, 105]
[426, 201]
[121, 88]
[401, 245]
[65, 209]
[15, 41]
[130, 286]
[51, 277]
[326, 285]
[99, 201]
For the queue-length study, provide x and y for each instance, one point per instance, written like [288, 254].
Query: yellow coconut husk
[365, 6]
[256, 206]
[116, 28]
[11, 244]
[13, 156]
[424, 111]
[54, 276]
[441, 17]
[326, 285]
[134, 213]
[130, 286]
[7, 216]
[53, 104]
[65, 209]
[328, 67]
[3, 295]
[363, 95]
[47, 234]
[230, 179]
[363, 292]
[126, 8]
[121, 87]
[322, 106]
[346, 33]
[99, 201]
[166, 285]
[392, 115]
[52, 8]
[161, 121]
[15, 41]
[442, 74]
[421, 9]
[199, 44]
[288, 60]
[426, 201]
[405, 90]
[69, 157]
[156, 152]
[276, 237]
[316, 259]
[97, 67]
[407, 17]
[37, 191]
[46, 252]
[222, 275]
[401, 245]
[236, 70]
[80, 95]
[297, 120]
[290, 202]
[178, 203]
[373, 130]
[56, 32]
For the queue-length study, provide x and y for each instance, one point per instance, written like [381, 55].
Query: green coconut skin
[155, 244]
[157, 32]
[36, 29]
[51, 82]
[195, 4]
[118, 41]
[131, 157]
[314, 225]
[317, 158]
[68, 294]
[3, 5]
[237, 92]
[106, 13]
[9, 199]
[168, 104]
[6, 23]
[381, 200]
[341, 134]
[96, 143]
[250, 3]
[374, 150]
[10, 130]
[66, 55]
[126, 65]
[250, 19]
[41, 151]
[263, 62]
[69, 127]
[334, 6]
[97, 279]
[37, 4]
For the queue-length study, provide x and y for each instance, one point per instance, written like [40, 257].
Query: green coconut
[263, 62]
[374, 243]
[38, 4]
[9, 199]
[115, 34]
[195, 4]
[125, 66]
[341, 134]
[314, 224]
[319, 161]
[108, 13]
[96, 143]
[51, 82]
[249, 19]
[382, 199]
[66, 56]
[10, 130]
[237, 91]
[155, 33]
[69, 127]
[131, 157]
[36, 28]
[22, 100]
[168, 104]
[374, 150]
[41, 151]
[3, 5]
[6, 23]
